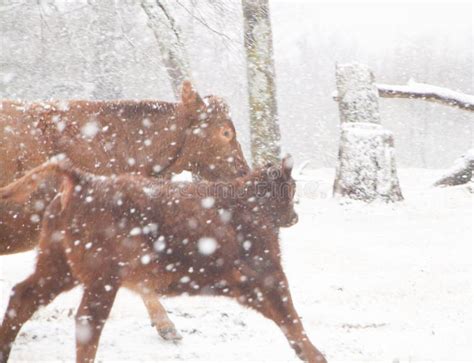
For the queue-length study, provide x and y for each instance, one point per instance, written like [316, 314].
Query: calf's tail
[19, 190]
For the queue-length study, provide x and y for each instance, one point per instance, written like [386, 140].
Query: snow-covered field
[372, 282]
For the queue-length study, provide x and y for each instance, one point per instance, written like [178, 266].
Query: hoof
[170, 334]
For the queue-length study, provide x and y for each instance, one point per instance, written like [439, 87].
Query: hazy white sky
[379, 24]
[413, 14]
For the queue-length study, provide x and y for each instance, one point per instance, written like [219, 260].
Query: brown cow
[112, 137]
[158, 238]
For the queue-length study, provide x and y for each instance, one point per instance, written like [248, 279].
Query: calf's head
[276, 191]
[211, 149]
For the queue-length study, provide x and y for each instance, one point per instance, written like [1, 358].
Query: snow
[157, 168]
[160, 244]
[135, 231]
[90, 129]
[35, 218]
[371, 282]
[146, 122]
[145, 259]
[207, 202]
[184, 176]
[247, 245]
[207, 245]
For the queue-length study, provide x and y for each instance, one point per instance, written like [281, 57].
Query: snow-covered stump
[366, 167]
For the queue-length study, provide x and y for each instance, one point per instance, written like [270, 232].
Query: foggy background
[53, 49]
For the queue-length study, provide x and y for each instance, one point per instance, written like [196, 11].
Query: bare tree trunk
[168, 37]
[366, 164]
[264, 129]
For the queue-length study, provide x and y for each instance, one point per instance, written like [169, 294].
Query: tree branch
[206, 25]
[167, 35]
[428, 92]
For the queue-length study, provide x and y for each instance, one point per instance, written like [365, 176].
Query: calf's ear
[189, 96]
[287, 165]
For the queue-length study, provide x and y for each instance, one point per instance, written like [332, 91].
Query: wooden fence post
[365, 167]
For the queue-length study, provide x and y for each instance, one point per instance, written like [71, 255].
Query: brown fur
[143, 137]
[130, 231]
[193, 135]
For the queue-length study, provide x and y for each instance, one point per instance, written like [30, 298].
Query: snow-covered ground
[372, 282]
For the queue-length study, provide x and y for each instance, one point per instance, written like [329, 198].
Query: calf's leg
[50, 278]
[271, 297]
[91, 316]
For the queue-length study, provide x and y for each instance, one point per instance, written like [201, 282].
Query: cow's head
[211, 149]
[277, 193]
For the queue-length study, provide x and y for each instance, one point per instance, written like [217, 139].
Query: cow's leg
[271, 297]
[159, 318]
[50, 278]
[96, 303]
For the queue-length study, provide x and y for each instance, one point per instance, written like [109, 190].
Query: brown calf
[158, 238]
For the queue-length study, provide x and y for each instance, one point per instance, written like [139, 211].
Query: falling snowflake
[39, 205]
[225, 215]
[207, 245]
[89, 130]
[145, 259]
[135, 231]
[160, 244]
[184, 279]
[208, 202]
[83, 331]
[146, 122]
[247, 244]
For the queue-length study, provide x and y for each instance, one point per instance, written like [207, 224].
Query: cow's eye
[227, 134]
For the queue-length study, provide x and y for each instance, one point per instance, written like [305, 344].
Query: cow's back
[113, 137]
[102, 137]
[21, 146]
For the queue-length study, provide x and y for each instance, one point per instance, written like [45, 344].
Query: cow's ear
[287, 165]
[189, 96]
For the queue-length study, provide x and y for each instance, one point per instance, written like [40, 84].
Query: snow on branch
[428, 92]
